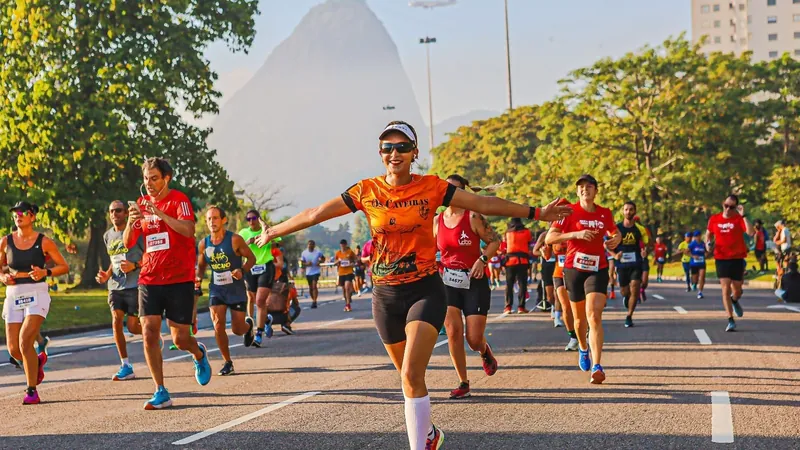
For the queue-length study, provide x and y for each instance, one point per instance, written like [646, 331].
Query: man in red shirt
[166, 282]
[660, 254]
[761, 245]
[727, 230]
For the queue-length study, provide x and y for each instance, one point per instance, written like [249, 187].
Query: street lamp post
[508, 59]
[427, 41]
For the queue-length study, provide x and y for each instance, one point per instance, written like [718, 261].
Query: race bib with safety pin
[699, 259]
[157, 242]
[456, 278]
[344, 263]
[21, 302]
[589, 263]
[628, 257]
[258, 269]
[223, 278]
[562, 259]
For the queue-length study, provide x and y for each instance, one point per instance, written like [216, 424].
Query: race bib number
[258, 269]
[223, 278]
[628, 257]
[157, 242]
[344, 263]
[21, 302]
[562, 259]
[116, 260]
[661, 260]
[589, 263]
[698, 259]
[552, 259]
[456, 278]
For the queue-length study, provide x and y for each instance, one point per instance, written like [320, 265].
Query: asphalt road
[331, 386]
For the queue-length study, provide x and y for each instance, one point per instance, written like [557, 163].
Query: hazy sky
[548, 39]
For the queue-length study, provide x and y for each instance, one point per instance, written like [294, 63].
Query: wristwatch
[484, 258]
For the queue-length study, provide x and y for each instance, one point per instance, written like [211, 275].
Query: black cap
[25, 206]
[586, 177]
[343, 242]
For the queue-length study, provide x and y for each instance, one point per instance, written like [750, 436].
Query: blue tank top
[223, 260]
[698, 254]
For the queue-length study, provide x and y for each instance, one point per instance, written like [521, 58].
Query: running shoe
[257, 340]
[348, 308]
[125, 372]
[43, 346]
[14, 362]
[462, 391]
[598, 376]
[227, 369]
[489, 361]
[522, 310]
[731, 325]
[572, 345]
[737, 308]
[442, 331]
[700, 294]
[437, 441]
[31, 397]
[628, 322]
[287, 329]
[558, 323]
[507, 310]
[313, 305]
[202, 369]
[688, 289]
[250, 335]
[42, 362]
[584, 360]
[613, 295]
[268, 328]
[160, 400]
[173, 347]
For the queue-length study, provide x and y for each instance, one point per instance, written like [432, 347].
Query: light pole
[508, 59]
[427, 41]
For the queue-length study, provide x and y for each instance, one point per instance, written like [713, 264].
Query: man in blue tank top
[223, 252]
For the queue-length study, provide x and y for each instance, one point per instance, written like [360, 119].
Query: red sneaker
[347, 308]
[507, 310]
[613, 295]
[194, 328]
[489, 361]
[522, 310]
[461, 391]
[437, 441]
[42, 362]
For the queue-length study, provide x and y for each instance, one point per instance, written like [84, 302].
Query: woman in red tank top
[458, 237]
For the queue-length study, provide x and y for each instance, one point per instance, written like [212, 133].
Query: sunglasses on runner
[251, 218]
[728, 206]
[401, 147]
[116, 210]
[21, 213]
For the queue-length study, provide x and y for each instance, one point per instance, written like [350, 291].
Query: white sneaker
[557, 322]
[572, 345]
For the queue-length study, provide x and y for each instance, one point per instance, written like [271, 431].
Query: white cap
[401, 127]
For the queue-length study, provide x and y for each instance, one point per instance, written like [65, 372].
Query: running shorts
[312, 278]
[581, 283]
[395, 306]
[694, 270]
[176, 300]
[558, 282]
[731, 268]
[760, 254]
[627, 274]
[262, 280]
[218, 300]
[661, 260]
[40, 294]
[472, 301]
[345, 278]
[359, 272]
[126, 300]
[548, 268]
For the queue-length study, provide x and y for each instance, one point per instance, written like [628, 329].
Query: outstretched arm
[495, 206]
[309, 217]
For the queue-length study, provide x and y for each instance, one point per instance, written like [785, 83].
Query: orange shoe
[613, 295]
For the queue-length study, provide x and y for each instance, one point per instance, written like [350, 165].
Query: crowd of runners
[427, 271]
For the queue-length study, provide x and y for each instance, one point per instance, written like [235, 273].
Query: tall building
[768, 28]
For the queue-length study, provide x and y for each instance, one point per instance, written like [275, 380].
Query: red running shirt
[460, 246]
[660, 251]
[728, 236]
[169, 256]
[587, 256]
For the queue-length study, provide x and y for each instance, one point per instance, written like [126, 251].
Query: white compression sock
[418, 421]
[125, 361]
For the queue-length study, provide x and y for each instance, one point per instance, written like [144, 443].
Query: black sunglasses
[401, 147]
[116, 210]
[727, 206]
[251, 218]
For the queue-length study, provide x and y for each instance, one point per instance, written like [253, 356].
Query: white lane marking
[790, 308]
[5, 364]
[243, 419]
[440, 343]
[59, 355]
[680, 309]
[658, 297]
[328, 324]
[721, 418]
[212, 350]
[501, 316]
[102, 347]
[702, 336]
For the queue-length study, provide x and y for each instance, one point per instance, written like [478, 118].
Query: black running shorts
[627, 274]
[581, 283]
[220, 301]
[395, 306]
[472, 301]
[176, 300]
[548, 268]
[558, 282]
[731, 268]
[263, 280]
[124, 300]
[695, 270]
[345, 278]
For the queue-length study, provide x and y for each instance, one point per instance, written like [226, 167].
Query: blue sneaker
[257, 340]
[737, 308]
[598, 376]
[584, 360]
[731, 326]
[268, 328]
[42, 348]
[202, 369]
[700, 294]
[160, 400]
[125, 372]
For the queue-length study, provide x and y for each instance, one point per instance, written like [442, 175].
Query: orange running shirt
[401, 223]
[346, 261]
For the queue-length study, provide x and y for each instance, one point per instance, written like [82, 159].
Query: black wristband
[49, 273]
[531, 212]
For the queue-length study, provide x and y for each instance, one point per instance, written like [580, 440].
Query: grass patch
[675, 269]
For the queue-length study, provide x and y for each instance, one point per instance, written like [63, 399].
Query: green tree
[90, 88]
[779, 100]
[784, 183]
[361, 232]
